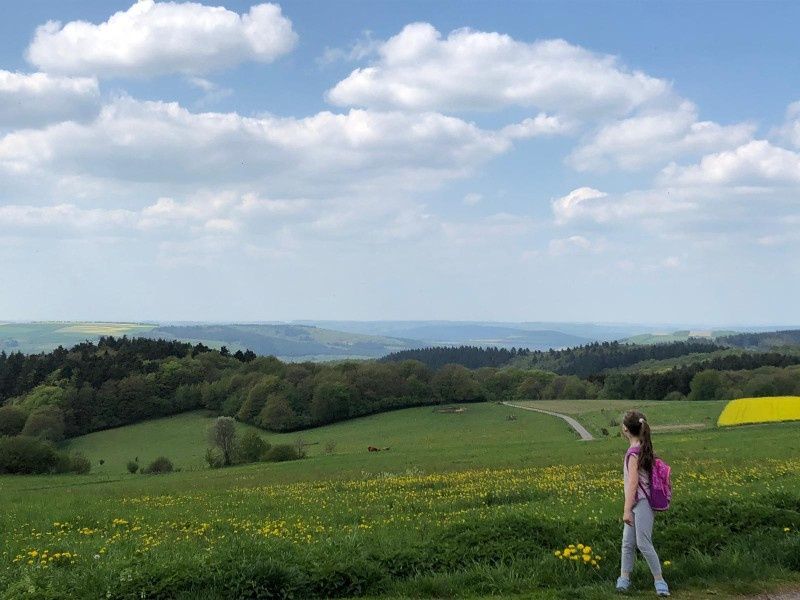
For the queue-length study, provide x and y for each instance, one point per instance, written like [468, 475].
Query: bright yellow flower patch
[760, 410]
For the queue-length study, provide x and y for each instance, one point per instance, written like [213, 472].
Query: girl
[637, 514]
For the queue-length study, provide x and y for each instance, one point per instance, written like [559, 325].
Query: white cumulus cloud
[35, 99]
[156, 38]
[755, 163]
[323, 154]
[418, 69]
[653, 136]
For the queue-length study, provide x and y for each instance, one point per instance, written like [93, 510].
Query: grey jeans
[640, 535]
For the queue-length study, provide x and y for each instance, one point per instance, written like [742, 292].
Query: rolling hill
[288, 342]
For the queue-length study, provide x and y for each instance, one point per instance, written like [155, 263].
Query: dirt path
[777, 596]
[580, 429]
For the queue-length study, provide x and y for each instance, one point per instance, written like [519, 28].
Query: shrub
[133, 466]
[46, 423]
[705, 385]
[12, 420]
[159, 466]
[674, 395]
[25, 455]
[282, 452]
[214, 458]
[252, 448]
[80, 464]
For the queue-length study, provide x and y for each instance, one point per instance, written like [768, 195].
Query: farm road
[580, 429]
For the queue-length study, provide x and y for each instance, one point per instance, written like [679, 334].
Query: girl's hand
[627, 517]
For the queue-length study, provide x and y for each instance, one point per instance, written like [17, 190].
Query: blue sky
[590, 161]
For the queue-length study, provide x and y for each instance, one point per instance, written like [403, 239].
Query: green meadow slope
[481, 435]
[664, 417]
[470, 504]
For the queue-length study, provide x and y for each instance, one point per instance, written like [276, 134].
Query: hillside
[678, 336]
[593, 359]
[419, 436]
[288, 342]
[461, 503]
[765, 340]
[45, 336]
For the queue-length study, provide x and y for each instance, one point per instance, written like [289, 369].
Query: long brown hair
[637, 424]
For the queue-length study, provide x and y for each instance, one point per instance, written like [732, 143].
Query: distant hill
[765, 340]
[485, 334]
[593, 359]
[679, 336]
[45, 336]
[289, 342]
[472, 357]
[598, 332]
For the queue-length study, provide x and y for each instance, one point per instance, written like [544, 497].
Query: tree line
[472, 357]
[118, 381]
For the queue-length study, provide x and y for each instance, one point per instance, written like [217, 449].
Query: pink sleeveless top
[644, 479]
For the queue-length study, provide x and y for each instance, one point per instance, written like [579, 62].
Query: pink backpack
[660, 484]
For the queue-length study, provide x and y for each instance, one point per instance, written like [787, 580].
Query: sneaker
[662, 589]
[623, 584]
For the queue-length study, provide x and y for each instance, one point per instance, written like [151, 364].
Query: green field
[416, 438]
[463, 505]
[597, 415]
[47, 335]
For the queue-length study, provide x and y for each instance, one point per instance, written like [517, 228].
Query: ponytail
[637, 424]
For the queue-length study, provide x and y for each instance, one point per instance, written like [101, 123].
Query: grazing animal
[373, 449]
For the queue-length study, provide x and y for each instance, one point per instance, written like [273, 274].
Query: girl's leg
[643, 518]
[628, 549]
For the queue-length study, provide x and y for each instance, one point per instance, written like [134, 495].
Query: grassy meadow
[681, 415]
[468, 504]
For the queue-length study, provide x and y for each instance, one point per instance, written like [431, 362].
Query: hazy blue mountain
[288, 341]
[539, 335]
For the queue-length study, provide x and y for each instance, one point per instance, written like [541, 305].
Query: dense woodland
[769, 339]
[118, 381]
[472, 357]
[592, 359]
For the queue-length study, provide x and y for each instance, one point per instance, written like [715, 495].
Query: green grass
[463, 505]
[182, 438]
[417, 437]
[597, 415]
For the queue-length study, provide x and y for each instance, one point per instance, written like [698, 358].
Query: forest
[118, 381]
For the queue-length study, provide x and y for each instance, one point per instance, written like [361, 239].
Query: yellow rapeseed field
[760, 410]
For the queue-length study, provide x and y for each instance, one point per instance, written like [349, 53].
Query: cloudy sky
[633, 162]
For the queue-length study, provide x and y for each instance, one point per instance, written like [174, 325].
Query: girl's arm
[630, 488]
